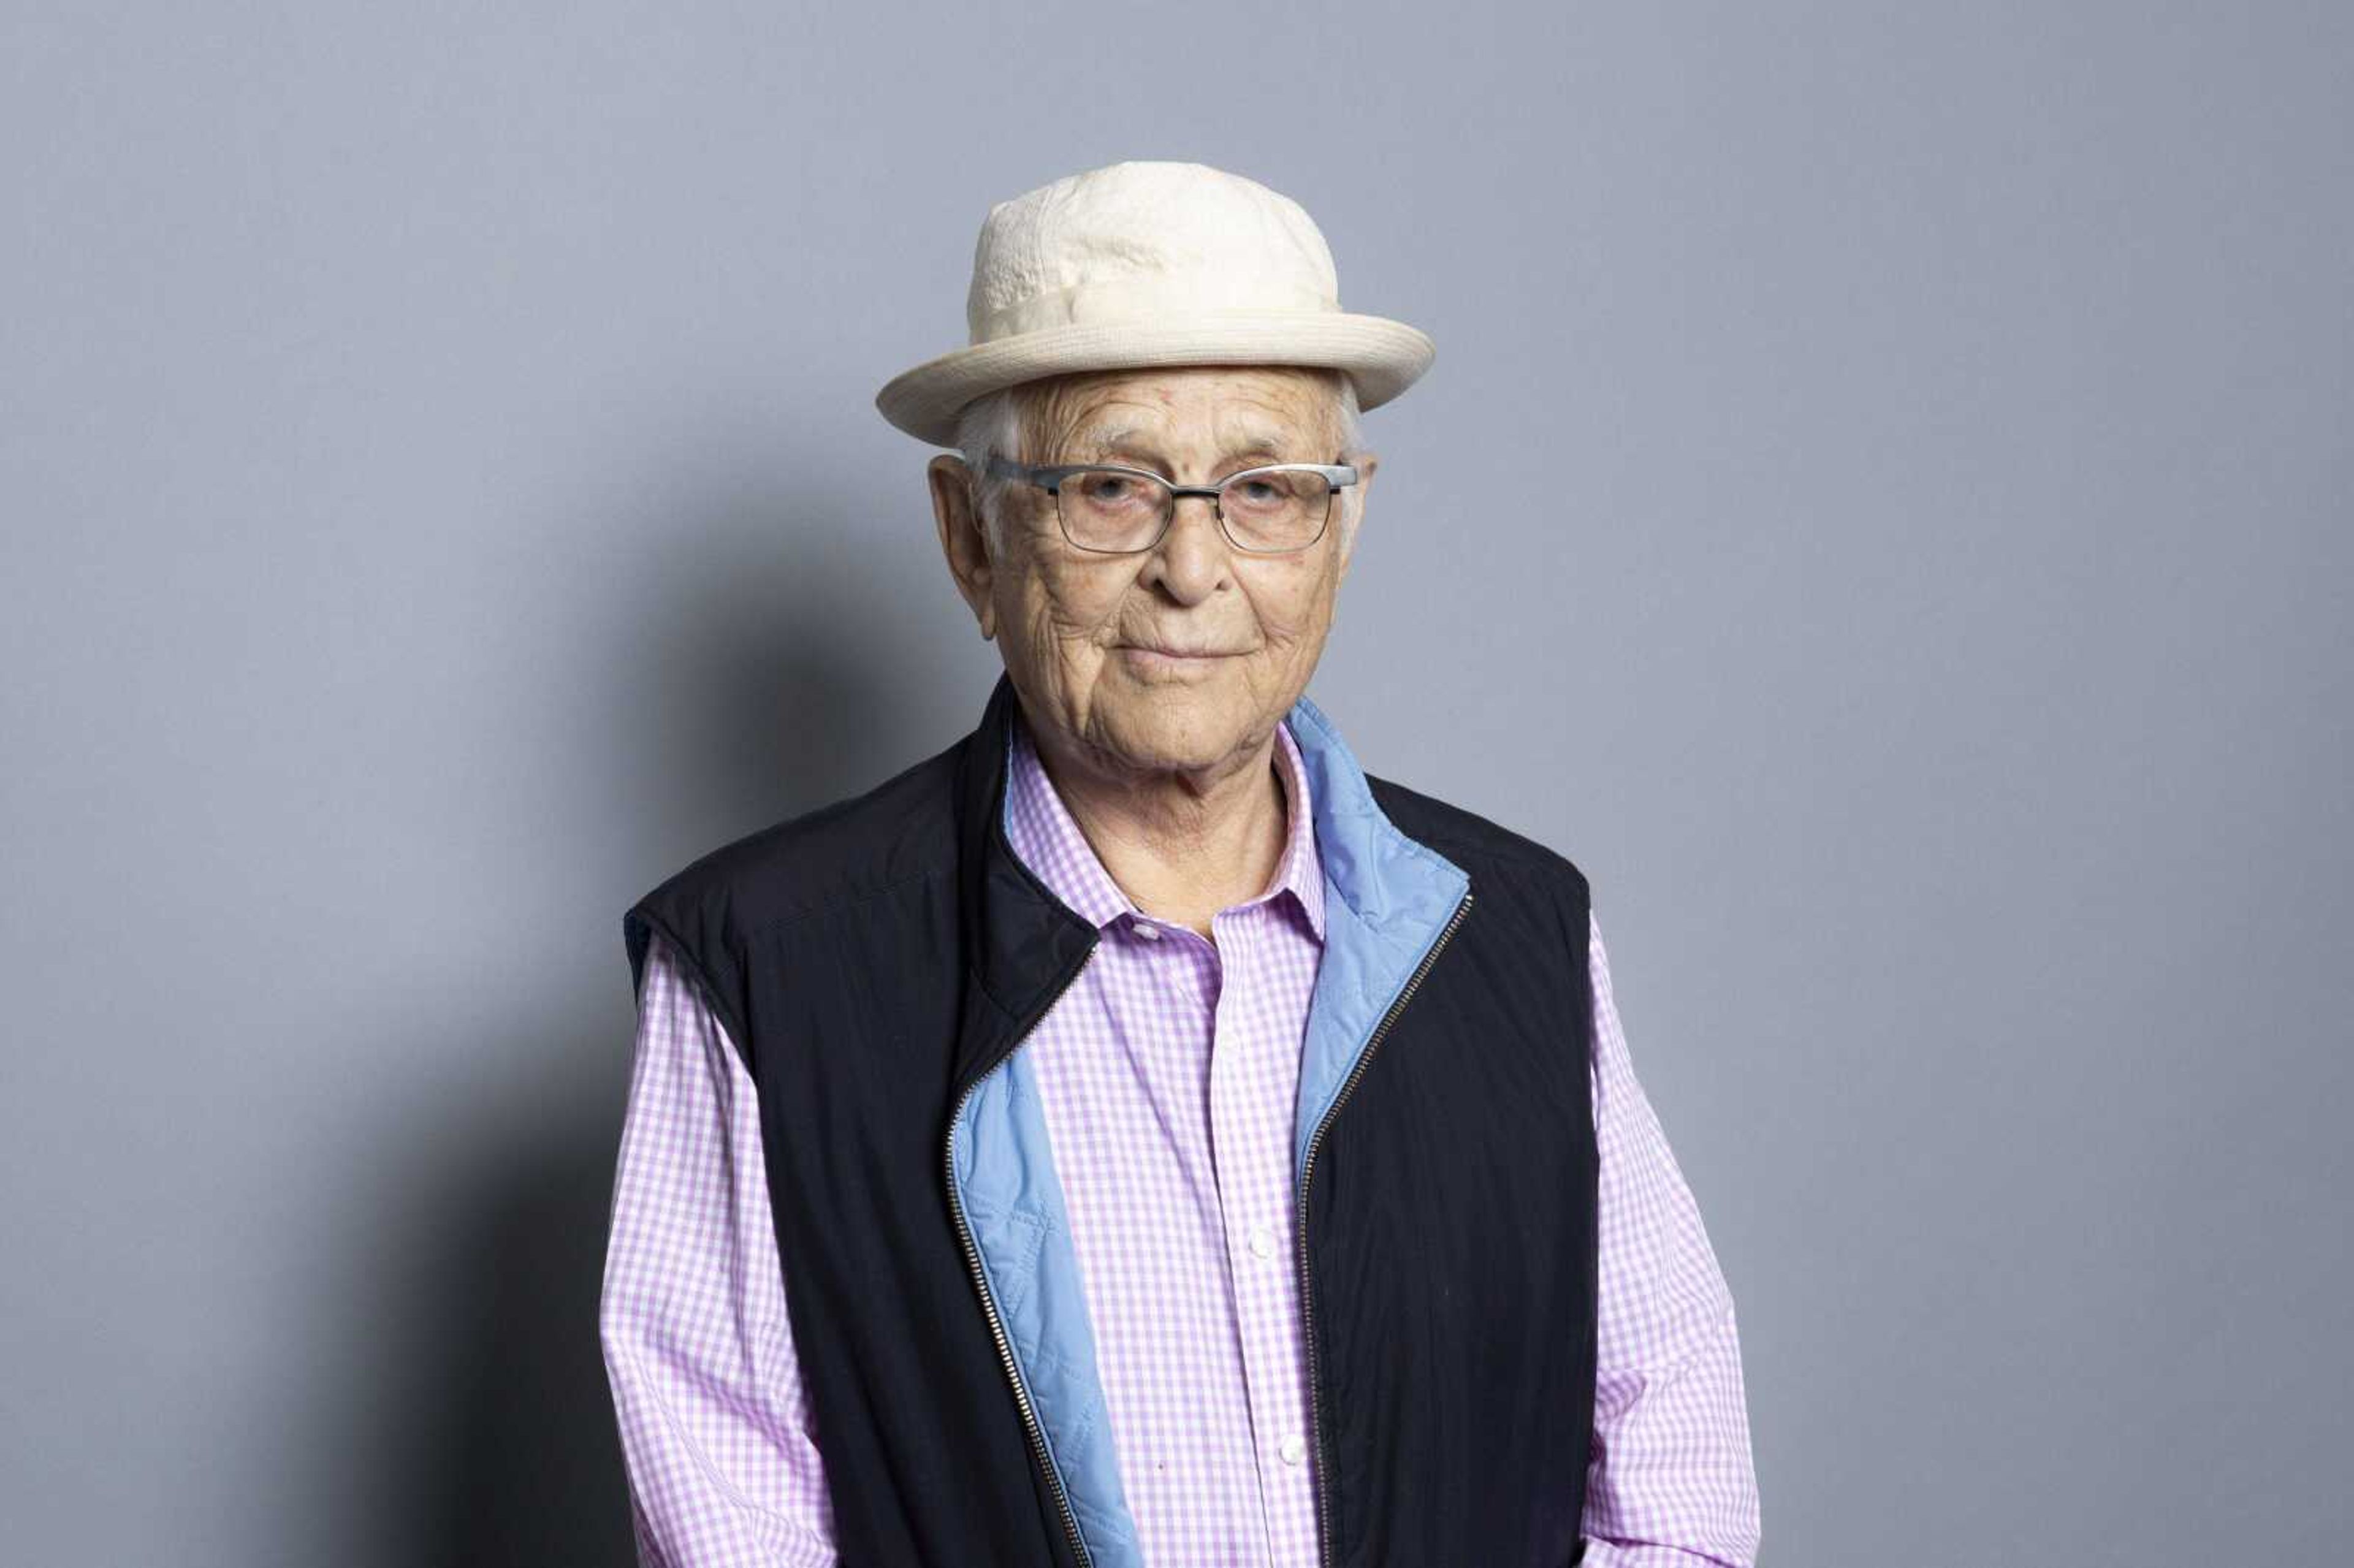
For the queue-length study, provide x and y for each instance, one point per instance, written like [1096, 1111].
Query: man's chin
[1189, 726]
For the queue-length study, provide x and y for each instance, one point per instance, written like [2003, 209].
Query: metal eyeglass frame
[1339, 475]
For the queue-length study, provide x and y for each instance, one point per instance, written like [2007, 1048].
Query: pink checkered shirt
[1168, 1076]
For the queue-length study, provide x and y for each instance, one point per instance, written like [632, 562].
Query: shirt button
[1262, 1242]
[1149, 931]
[1294, 1449]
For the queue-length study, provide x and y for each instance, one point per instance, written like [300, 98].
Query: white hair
[994, 422]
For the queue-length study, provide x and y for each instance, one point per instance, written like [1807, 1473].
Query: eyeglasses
[1114, 511]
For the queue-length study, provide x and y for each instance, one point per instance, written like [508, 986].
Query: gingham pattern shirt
[1169, 1076]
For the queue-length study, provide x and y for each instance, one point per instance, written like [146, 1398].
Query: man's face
[1087, 638]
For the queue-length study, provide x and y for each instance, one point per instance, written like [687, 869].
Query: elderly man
[1135, 1134]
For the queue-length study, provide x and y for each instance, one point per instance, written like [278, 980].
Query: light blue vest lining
[1386, 899]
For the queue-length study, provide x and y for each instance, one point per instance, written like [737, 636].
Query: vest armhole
[640, 925]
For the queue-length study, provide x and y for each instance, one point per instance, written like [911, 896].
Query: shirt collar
[1047, 839]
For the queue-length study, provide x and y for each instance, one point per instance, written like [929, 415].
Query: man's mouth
[1159, 656]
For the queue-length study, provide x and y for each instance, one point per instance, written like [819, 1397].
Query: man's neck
[1182, 845]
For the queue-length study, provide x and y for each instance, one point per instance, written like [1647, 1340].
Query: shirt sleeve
[1672, 1483]
[722, 1456]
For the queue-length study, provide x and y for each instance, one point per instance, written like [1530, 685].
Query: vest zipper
[988, 1305]
[1307, 1173]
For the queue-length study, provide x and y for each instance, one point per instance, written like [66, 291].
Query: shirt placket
[1253, 1081]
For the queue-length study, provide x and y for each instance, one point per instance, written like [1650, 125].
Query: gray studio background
[1882, 506]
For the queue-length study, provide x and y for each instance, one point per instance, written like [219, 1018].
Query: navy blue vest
[878, 961]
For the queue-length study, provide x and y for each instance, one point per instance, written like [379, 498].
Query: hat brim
[1382, 356]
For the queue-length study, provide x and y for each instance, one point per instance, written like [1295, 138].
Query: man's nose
[1192, 558]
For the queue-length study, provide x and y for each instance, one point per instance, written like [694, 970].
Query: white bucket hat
[1149, 263]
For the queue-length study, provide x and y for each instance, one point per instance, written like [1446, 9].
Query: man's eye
[1112, 490]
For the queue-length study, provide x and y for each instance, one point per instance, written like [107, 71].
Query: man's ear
[963, 538]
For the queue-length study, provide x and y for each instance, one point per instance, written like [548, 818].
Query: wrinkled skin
[1166, 764]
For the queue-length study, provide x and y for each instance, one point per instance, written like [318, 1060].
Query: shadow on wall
[736, 707]
[518, 1461]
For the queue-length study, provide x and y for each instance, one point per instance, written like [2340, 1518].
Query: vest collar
[1023, 945]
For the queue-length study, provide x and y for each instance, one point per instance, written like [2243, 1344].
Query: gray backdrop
[1880, 506]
